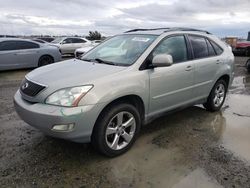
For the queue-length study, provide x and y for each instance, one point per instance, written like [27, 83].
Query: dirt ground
[192, 148]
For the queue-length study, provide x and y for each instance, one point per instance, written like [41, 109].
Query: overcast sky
[70, 17]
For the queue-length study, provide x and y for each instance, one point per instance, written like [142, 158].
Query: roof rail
[186, 29]
[168, 29]
[134, 30]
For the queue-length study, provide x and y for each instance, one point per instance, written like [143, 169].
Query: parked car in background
[96, 42]
[40, 41]
[80, 51]
[68, 45]
[242, 48]
[248, 65]
[21, 53]
[125, 82]
[47, 39]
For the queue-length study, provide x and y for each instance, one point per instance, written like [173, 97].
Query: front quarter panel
[129, 82]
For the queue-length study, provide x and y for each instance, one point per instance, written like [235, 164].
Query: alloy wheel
[219, 95]
[120, 130]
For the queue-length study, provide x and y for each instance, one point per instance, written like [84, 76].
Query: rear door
[27, 53]
[171, 87]
[206, 62]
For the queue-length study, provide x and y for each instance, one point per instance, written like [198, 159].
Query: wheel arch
[44, 55]
[132, 99]
[226, 78]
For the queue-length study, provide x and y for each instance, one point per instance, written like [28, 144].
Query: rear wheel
[45, 60]
[248, 65]
[116, 129]
[216, 97]
[247, 51]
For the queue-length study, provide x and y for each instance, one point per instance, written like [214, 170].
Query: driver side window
[174, 46]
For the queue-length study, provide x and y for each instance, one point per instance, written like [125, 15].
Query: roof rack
[134, 30]
[167, 29]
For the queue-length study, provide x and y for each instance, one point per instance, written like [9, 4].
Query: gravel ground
[191, 148]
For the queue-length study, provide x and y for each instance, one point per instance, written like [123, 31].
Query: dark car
[242, 48]
[40, 41]
[47, 39]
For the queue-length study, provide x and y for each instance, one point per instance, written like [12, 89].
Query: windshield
[121, 50]
[57, 40]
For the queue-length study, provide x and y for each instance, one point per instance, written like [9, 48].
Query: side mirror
[162, 60]
[63, 42]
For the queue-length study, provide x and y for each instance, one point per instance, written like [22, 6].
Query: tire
[247, 53]
[45, 60]
[248, 65]
[216, 97]
[107, 130]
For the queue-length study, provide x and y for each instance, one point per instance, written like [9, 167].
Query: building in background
[232, 41]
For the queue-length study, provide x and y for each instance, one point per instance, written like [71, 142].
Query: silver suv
[125, 82]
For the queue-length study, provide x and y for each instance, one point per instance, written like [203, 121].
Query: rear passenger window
[199, 46]
[22, 45]
[211, 51]
[175, 46]
[76, 40]
[217, 48]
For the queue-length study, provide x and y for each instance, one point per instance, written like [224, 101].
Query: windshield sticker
[141, 39]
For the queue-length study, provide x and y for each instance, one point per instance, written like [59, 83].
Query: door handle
[218, 61]
[189, 68]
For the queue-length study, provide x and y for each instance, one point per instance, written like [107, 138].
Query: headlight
[68, 96]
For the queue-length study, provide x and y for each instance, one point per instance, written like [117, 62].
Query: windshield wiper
[104, 62]
[89, 60]
[98, 60]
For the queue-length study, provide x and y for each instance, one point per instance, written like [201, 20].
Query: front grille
[30, 88]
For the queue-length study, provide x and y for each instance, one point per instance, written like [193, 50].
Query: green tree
[94, 35]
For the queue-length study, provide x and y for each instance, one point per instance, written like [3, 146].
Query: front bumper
[44, 117]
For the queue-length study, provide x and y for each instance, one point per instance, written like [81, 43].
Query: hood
[72, 73]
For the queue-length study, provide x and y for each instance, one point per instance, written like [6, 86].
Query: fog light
[66, 127]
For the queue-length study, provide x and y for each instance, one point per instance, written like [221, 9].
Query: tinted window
[199, 45]
[211, 51]
[21, 45]
[37, 40]
[175, 46]
[7, 45]
[78, 40]
[67, 41]
[217, 48]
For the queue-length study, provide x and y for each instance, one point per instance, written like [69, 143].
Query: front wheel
[216, 97]
[116, 129]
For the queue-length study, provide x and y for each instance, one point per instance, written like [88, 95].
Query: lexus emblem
[25, 85]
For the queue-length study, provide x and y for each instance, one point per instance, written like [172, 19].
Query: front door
[171, 87]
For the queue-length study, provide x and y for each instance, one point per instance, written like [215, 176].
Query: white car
[18, 53]
[68, 45]
[80, 51]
